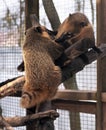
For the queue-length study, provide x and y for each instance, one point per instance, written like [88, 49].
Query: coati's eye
[38, 29]
[83, 24]
[70, 34]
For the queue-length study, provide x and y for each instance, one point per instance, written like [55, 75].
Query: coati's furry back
[42, 77]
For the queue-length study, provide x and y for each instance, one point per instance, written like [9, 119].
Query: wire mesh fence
[11, 23]
[64, 122]
[12, 36]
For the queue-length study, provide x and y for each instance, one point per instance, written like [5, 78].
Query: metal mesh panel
[11, 26]
[86, 122]
[87, 78]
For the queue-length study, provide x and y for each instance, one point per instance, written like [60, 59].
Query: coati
[78, 25]
[74, 30]
[42, 77]
[48, 34]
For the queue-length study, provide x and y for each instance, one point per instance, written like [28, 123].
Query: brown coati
[42, 77]
[46, 33]
[78, 26]
[74, 30]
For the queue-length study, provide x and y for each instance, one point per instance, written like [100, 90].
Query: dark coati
[74, 30]
[79, 27]
[42, 77]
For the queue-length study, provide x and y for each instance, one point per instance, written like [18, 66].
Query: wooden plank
[75, 106]
[71, 95]
[76, 95]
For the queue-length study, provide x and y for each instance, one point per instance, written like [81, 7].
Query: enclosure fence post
[101, 66]
[31, 7]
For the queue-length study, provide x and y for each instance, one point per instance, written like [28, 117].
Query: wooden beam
[75, 95]
[101, 65]
[75, 106]
[14, 89]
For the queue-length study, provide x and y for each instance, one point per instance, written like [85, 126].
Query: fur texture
[42, 77]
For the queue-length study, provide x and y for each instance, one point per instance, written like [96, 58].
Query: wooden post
[101, 65]
[31, 7]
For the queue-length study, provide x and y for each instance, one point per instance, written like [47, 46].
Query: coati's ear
[38, 29]
[70, 15]
[83, 24]
[25, 33]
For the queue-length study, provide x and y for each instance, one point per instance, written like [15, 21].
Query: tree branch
[12, 87]
[5, 124]
[78, 64]
[8, 80]
[51, 13]
[25, 120]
